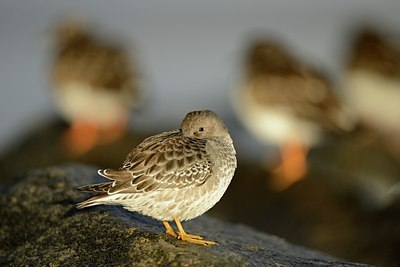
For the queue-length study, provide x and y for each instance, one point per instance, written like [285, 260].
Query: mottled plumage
[176, 175]
[87, 66]
[276, 87]
[374, 53]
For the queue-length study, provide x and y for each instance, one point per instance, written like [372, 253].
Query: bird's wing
[304, 93]
[161, 162]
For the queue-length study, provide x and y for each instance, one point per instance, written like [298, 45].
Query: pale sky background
[188, 50]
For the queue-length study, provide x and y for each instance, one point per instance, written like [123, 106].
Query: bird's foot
[195, 236]
[199, 237]
[195, 239]
[169, 230]
[172, 233]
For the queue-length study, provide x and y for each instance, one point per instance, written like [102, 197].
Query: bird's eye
[201, 129]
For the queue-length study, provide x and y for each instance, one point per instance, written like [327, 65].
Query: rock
[41, 227]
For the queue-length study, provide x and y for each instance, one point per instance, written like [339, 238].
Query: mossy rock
[39, 226]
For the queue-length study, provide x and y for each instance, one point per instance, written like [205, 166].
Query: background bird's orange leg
[293, 166]
[81, 137]
[195, 239]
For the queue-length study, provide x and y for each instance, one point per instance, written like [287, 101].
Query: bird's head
[203, 124]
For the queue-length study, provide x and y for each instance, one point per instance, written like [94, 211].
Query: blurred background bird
[372, 84]
[94, 86]
[286, 103]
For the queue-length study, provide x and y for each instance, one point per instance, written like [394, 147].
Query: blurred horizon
[188, 54]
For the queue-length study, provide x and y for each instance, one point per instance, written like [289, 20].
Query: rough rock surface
[40, 227]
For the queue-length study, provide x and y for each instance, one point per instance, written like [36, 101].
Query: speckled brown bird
[286, 103]
[94, 85]
[372, 82]
[176, 175]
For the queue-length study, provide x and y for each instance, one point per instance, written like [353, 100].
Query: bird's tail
[101, 188]
[98, 188]
[115, 175]
[93, 201]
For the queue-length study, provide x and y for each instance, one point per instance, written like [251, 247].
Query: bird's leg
[188, 235]
[195, 239]
[169, 230]
[81, 137]
[293, 166]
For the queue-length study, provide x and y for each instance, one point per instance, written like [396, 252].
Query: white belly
[77, 101]
[184, 204]
[273, 125]
[376, 99]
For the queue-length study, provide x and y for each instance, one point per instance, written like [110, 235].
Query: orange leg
[169, 230]
[195, 239]
[81, 137]
[292, 168]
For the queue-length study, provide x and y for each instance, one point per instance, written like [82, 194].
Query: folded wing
[162, 162]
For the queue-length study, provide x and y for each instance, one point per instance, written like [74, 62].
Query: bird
[372, 84]
[94, 85]
[284, 102]
[173, 176]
